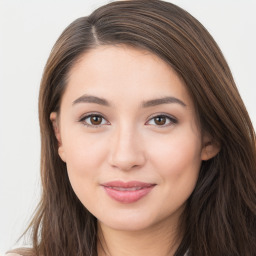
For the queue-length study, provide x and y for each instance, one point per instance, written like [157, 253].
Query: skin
[129, 143]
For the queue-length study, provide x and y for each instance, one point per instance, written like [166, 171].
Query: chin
[129, 226]
[130, 221]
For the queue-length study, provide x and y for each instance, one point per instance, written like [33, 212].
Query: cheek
[177, 156]
[84, 153]
[84, 158]
[177, 161]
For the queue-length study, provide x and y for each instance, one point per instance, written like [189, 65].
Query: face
[128, 132]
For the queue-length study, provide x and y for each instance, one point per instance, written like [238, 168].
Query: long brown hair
[220, 215]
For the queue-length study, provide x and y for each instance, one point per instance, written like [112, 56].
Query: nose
[126, 150]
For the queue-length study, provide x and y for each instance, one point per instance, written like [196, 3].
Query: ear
[56, 128]
[210, 148]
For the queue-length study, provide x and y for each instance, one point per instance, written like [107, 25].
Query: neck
[161, 239]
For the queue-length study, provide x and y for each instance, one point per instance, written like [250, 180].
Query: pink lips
[127, 192]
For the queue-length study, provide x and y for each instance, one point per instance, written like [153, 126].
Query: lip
[127, 192]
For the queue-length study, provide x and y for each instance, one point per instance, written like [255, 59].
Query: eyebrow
[91, 99]
[160, 101]
[150, 103]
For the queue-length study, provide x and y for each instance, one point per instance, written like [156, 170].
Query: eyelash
[83, 120]
[171, 119]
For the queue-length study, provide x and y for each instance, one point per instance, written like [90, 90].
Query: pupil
[96, 120]
[160, 120]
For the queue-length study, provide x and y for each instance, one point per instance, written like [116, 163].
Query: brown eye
[95, 120]
[160, 120]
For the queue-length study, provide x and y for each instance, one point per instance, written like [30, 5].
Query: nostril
[125, 153]
[127, 162]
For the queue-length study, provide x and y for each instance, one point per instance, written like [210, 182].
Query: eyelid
[173, 120]
[87, 115]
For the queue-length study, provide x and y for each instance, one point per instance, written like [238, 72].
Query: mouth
[127, 192]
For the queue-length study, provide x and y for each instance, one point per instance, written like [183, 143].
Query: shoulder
[12, 254]
[20, 252]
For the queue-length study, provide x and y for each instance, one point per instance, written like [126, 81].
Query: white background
[28, 30]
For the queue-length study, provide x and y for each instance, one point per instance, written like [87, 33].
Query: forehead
[124, 72]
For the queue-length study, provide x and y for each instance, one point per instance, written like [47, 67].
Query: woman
[147, 148]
